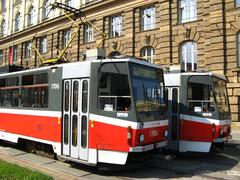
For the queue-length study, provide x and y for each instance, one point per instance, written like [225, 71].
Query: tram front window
[220, 92]
[148, 93]
[200, 96]
[114, 91]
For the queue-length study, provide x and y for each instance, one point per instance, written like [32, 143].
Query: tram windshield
[207, 94]
[148, 93]
[114, 90]
[200, 94]
[220, 92]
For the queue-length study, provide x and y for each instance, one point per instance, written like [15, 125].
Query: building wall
[215, 32]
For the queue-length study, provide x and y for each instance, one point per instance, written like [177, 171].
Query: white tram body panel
[59, 105]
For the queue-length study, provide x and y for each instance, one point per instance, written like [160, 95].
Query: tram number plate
[122, 114]
[207, 114]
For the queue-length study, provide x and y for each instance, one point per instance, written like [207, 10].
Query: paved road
[222, 165]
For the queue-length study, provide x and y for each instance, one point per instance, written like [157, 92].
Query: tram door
[75, 118]
[173, 110]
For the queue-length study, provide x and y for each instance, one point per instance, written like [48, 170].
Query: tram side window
[114, 90]
[9, 92]
[200, 96]
[35, 90]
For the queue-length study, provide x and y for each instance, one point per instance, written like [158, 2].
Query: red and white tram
[198, 110]
[90, 112]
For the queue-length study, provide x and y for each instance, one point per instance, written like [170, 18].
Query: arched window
[30, 16]
[148, 53]
[189, 56]
[17, 22]
[238, 49]
[3, 30]
[46, 9]
[114, 54]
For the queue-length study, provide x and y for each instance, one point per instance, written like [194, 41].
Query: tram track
[212, 167]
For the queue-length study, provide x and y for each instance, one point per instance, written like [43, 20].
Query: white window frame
[3, 4]
[116, 26]
[66, 37]
[28, 49]
[15, 53]
[3, 28]
[17, 23]
[88, 33]
[189, 55]
[148, 53]
[148, 18]
[30, 16]
[69, 3]
[238, 49]
[45, 9]
[1, 56]
[43, 44]
[237, 3]
[187, 11]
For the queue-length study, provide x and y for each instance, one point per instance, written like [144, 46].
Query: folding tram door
[173, 112]
[75, 118]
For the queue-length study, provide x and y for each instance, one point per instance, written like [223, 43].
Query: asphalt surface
[224, 164]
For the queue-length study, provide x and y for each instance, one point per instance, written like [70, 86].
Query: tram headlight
[220, 132]
[166, 133]
[141, 138]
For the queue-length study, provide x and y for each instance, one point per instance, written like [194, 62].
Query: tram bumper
[223, 139]
[148, 147]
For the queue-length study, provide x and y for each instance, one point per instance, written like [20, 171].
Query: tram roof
[84, 63]
[199, 73]
[174, 78]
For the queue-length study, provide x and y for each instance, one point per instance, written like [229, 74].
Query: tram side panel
[33, 120]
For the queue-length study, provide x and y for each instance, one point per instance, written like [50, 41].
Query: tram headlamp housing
[220, 132]
[141, 138]
[166, 133]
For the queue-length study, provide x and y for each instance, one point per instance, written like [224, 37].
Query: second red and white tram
[96, 111]
[198, 110]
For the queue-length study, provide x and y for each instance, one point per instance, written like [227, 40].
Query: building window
[43, 44]
[237, 3]
[88, 33]
[28, 49]
[189, 56]
[148, 18]
[238, 50]
[46, 9]
[17, 22]
[15, 53]
[30, 16]
[148, 53]
[187, 10]
[3, 4]
[3, 28]
[66, 37]
[69, 2]
[116, 26]
[1, 56]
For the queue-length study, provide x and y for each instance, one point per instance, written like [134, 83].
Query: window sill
[86, 43]
[189, 22]
[154, 29]
[115, 37]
